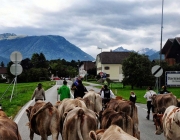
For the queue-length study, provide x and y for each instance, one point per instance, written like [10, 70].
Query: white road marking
[144, 109]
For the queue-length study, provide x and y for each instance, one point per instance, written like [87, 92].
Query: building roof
[167, 46]
[3, 70]
[172, 49]
[88, 64]
[113, 57]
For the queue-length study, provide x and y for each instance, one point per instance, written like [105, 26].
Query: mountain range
[52, 46]
[151, 53]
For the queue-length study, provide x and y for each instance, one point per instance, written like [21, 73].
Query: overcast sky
[88, 24]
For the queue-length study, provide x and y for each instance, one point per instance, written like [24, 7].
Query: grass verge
[21, 93]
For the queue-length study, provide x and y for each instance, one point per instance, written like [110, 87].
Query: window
[106, 68]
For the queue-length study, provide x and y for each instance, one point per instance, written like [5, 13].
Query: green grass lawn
[20, 96]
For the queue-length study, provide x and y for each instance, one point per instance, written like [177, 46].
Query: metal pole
[101, 59]
[86, 71]
[161, 41]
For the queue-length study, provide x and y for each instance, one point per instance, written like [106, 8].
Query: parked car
[68, 78]
[56, 78]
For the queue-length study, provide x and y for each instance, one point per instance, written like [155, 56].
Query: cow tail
[80, 117]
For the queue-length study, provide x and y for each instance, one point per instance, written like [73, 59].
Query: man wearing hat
[39, 93]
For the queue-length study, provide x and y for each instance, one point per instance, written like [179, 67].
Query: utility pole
[161, 42]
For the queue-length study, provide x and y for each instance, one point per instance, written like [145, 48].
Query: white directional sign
[157, 71]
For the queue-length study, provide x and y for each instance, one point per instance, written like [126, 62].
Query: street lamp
[161, 41]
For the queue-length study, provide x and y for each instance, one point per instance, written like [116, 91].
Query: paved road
[146, 127]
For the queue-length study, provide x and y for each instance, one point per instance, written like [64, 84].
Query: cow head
[153, 99]
[28, 111]
[157, 118]
[96, 135]
[2, 113]
[57, 104]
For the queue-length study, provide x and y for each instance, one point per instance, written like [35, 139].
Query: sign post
[157, 71]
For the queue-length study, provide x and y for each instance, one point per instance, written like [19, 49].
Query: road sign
[101, 73]
[157, 71]
[16, 57]
[16, 69]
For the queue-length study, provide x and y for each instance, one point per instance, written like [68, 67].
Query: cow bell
[0, 106]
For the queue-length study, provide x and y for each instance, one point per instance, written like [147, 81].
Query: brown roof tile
[167, 46]
[113, 57]
[3, 70]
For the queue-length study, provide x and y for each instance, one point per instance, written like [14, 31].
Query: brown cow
[110, 117]
[43, 120]
[78, 123]
[130, 109]
[162, 101]
[114, 132]
[67, 105]
[8, 128]
[93, 101]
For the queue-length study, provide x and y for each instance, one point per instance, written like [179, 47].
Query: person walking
[64, 91]
[132, 97]
[164, 90]
[79, 90]
[106, 95]
[148, 95]
[39, 93]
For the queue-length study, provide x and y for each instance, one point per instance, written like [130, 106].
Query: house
[3, 72]
[171, 50]
[84, 66]
[111, 64]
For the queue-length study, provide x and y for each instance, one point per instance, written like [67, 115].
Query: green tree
[2, 64]
[137, 71]
[39, 60]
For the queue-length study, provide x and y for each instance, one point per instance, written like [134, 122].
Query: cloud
[88, 24]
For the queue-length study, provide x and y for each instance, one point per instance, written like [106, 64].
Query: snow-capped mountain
[147, 51]
[153, 54]
[121, 49]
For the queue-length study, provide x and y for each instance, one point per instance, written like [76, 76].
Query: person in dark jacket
[132, 97]
[106, 95]
[79, 90]
[164, 91]
[64, 91]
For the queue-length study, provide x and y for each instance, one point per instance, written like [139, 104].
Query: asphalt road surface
[146, 127]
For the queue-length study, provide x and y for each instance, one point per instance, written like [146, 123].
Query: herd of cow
[85, 119]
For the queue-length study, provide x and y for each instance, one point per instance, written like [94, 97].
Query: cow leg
[31, 135]
[44, 137]
[55, 136]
